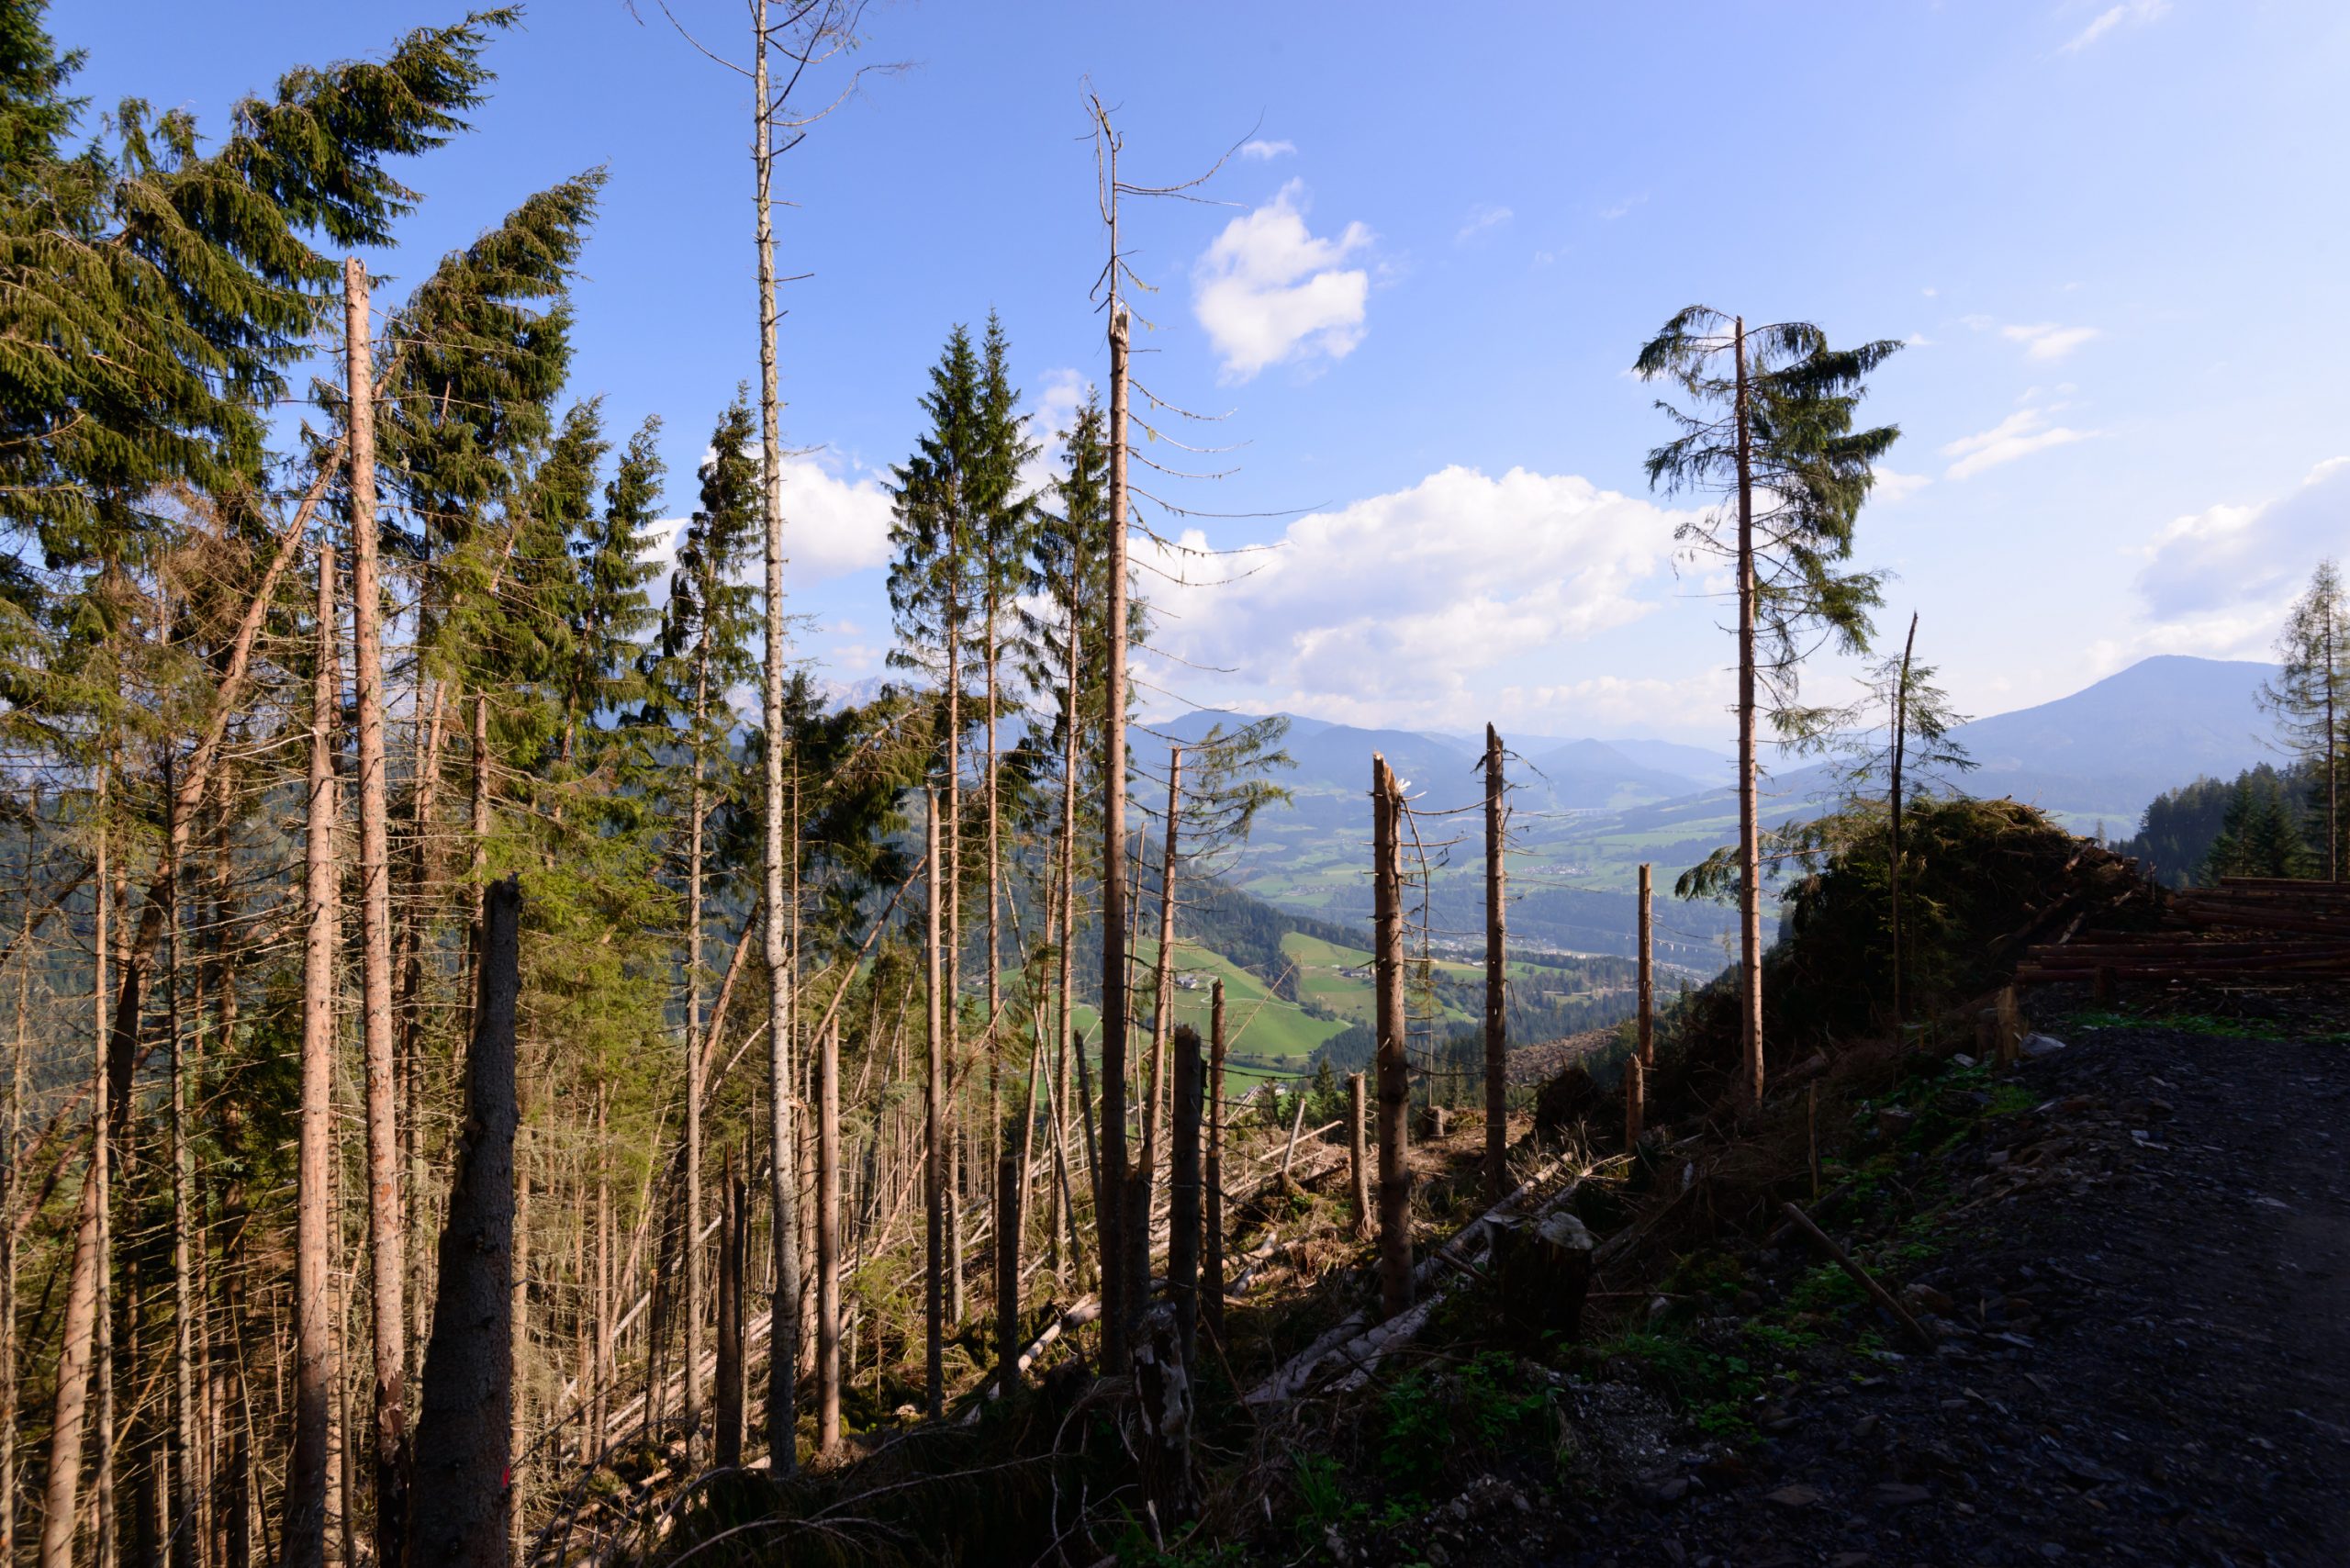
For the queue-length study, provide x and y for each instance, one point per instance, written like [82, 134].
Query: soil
[2136, 1292]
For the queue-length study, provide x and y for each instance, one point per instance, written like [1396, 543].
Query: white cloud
[2046, 340]
[2105, 21]
[1384, 610]
[1268, 291]
[2218, 579]
[1610, 214]
[2021, 433]
[1266, 152]
[833, 524]
[1480, 219]
[1894, 487]
[1611, 702]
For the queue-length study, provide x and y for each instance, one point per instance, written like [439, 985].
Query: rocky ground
[2130, 1257]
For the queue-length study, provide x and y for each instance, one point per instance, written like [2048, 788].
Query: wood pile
[2248, 928]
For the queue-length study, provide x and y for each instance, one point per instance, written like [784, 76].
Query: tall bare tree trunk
[1183, 1193]
[1212, 1195]
[933, 1106]
[1064, 1016]
[518, 1420]
[387, 1257]
[1394, 1070]
[828, 1240]
[465, 1425]
[1643, 1056]
[9, 1176]
[1496, 977]
[783, 1334]
[993, 1045]
[697, 1066]
[1008, 1222]
[1893, 867]
[1118, 1312]
[726, 1447]
[1750, 842]
[1145, 1176]
[305, 1538]
[62, 1511]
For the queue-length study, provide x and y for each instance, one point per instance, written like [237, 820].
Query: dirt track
[2145, 1351]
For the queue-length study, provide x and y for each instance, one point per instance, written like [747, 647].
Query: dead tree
[386, 1234]
[828, 1241]
[1496, 982]
[1145, 1176]
[305, 1541]
[458, 1514]
[1394, 1067]
[727, 1399]
[1212, 1193]
[933, 1105]
[1008, 1220]
[1357, 1155]
[1117, 1310]
[1184, 1193]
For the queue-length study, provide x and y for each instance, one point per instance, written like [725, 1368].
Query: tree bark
[305, 1537]
[1008, 1221]
[1146, 1173]
[726, 1447]
[828, 1241]
[697, 1067]
[1893, 866]
[1184, 1193]
[1496, 980]
[386, 1246]
[1750, 842]
[1357, 1152]
[465, 1424]
[1394, 1069]
[1212, 1192]
[783, 1337]
[1117, 1311]
[934, 1105]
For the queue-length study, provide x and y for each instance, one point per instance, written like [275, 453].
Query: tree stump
[1543, 1273]
[1163, 1396]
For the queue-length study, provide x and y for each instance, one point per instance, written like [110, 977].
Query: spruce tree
[2310, 698]
[1771, 435]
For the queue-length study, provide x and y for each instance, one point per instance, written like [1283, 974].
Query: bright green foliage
[153, 292]
[1810, 469]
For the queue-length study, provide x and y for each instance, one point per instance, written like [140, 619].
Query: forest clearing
[538, 1039]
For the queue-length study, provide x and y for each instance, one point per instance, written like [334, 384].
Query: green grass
[1257, 1023]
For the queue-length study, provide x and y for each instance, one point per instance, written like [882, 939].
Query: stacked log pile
[2247, 929]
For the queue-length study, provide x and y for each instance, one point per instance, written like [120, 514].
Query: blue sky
[2114, 234]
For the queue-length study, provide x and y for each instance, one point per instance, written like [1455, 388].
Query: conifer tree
[2310, 696]
[1771, 435]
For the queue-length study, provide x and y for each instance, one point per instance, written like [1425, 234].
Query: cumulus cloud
[2228, 570]
[834, 523]
[2021, 433]
[1266, 152]
[1384, 610]
[1606, 703]
[1482, 217]
[2046, 340]
[1268, 291]
[1892, 486]
[2106, 21]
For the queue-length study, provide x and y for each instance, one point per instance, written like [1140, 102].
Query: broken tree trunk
[1212, 1192]
[1163, 1396]
[1183, 1194]
[727, 1396]
[1394, 1071]
[465, 1425]
[1009, 1189]
[1542, 1272]
[1356, 1153]
[934, 1105]
[1496, 980]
